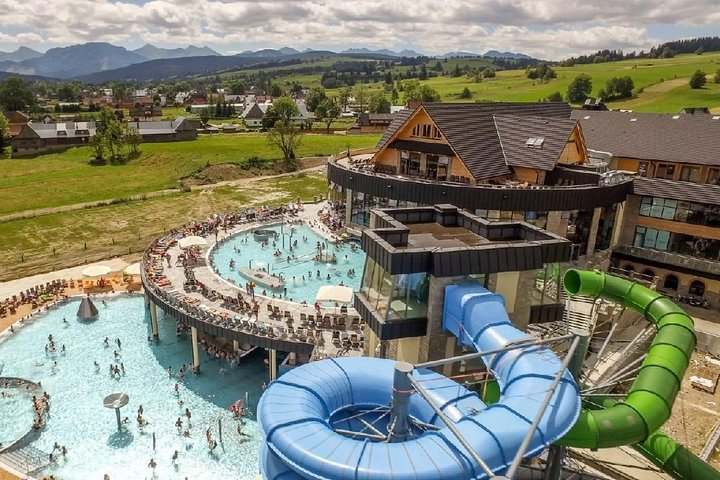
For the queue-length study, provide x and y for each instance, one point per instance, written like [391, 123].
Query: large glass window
[690, 174]
[651, 238]
[666, 171]
[687, 212]
[409, 296]
[658, 207]
[714, 176]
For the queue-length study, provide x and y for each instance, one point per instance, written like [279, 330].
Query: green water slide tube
[637, 419]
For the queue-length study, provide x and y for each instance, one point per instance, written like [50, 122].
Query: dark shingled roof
[470, 130]
[683, 138]
[683, 191]
[397, 122]
[514, 131]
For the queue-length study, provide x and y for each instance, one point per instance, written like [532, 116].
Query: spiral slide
[649, 402]
[315, 418]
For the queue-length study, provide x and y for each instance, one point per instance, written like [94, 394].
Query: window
[658, 207]
[643, 169]
[651, 238]
[648, 274]
[690, 174]
[535, 142]
[697, 288]
[671, 282]
[426, 129]
[665, 171]
[714, 176]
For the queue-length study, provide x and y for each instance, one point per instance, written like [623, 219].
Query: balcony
[665, 259]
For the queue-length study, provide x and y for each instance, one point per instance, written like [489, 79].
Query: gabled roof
[253, 111]
[62, 130]
[682, 138]
[471, 131]
[551, 135]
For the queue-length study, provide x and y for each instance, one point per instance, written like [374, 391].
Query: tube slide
[649, 402]
[301, 413]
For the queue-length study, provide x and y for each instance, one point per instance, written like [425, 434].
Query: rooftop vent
[716, 117]
[633, 119]
[675, 117]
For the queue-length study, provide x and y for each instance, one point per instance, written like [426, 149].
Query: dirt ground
[696, 412]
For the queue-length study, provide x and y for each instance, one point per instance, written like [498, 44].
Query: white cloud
[543, 28]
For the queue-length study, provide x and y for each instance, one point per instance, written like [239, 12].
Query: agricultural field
[57, 179]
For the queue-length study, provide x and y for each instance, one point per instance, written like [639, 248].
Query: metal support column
[557, 452]
[154, 321]
[399, 428]
[195, 353]
[546, 401]
[272, 363]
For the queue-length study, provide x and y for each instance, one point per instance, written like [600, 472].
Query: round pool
[79, 421]
[299, 262]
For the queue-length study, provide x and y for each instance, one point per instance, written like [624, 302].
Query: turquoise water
[79, 421]
[251, 253]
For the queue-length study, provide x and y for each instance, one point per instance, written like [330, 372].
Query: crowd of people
[35, 296]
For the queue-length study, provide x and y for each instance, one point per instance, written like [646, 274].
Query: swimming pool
[300, 272]
[79, 421]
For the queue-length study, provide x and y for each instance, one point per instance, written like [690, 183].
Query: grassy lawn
[121, 229]
[65, 178]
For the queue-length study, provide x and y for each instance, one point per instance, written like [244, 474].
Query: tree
[379, 103]
[314, 97]
[327, 111]
[275, 90]
[16, 95]
[466, 93]
[134, 139]
[4, 124]
[697, 80]
[237, 87]
[488, 72]
[423, 93]
[423, 72]
[361, 97]
[580, 88]
[284, 134]
[110, 138]
[205, 115]
[343, 96]
[616, 88]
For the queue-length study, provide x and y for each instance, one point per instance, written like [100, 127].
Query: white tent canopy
[334, 293]
[132, 269]
[191, 241]
[96, 271]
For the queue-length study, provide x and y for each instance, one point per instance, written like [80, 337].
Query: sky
[549, 29]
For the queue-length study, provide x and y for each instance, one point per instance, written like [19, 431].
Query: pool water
[249, 253]
[79, 421]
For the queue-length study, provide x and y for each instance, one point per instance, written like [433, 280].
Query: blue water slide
[302, 413]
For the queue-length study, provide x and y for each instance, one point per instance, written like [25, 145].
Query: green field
[56, 179]
[60, 240]
[661, 85]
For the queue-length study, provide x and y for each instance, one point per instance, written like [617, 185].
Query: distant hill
[269, 53]
[151, 52]
[27, 78]
[382, 51]
[514, 56]
[19, 55]
[176, 68]
[460, 54]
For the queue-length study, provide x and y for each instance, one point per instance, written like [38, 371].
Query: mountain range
[77, 60]
[100, 62]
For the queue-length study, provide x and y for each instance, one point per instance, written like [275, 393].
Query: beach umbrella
[191, 241]
[132, 269]
[96, 271]
[334, 293]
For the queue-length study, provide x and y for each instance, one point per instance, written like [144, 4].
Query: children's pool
[79, 421]
[298, 245]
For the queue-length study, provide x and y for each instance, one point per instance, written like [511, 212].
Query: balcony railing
[671, 258]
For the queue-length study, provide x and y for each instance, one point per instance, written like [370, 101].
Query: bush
[697, 80]
[717, 77]
[554, 97]
[255, 162]
[466, 93]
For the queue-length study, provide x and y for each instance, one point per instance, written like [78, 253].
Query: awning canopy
[96, 271]
[192, 241]
[334, 293]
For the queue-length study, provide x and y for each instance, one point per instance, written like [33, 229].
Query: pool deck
[204, 273]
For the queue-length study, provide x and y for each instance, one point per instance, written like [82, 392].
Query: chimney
[413, 104]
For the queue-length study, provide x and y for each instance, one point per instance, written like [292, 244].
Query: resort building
[671, 219]
[414, 253]
[501, 161]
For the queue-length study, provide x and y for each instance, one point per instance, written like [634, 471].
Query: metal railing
[671, 258]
